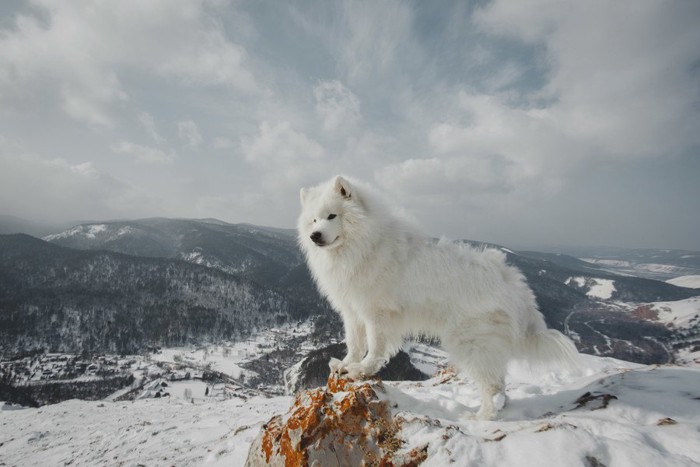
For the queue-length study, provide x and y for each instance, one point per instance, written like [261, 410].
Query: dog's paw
[356, 371]
[337, 366]
[485, 414]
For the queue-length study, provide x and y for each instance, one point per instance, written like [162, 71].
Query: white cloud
[612, 92]
[461, 175]
[371, 45]
[337, 106]
[189, 132]
[149, 125]
[287, 159]
[527, 138]
[79, 51]
[143, 154]
[622, 76]
[58, 53]
[221, 142]
[494, 111]
[280, 145]
[366, 48]
[211, 59]
[86, 169]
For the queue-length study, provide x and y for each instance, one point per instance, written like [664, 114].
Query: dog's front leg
[356, 342]
[381, 345]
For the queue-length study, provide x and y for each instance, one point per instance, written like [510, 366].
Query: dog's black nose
[316, 237]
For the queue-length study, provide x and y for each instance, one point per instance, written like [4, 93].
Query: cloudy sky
[526, 123]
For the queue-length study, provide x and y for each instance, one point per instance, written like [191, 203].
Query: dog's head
[325, 212]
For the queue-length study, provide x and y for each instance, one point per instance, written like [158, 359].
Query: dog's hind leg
[483, 360]
[493, 398]
[491, 384]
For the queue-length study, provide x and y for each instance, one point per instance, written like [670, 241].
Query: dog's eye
[314, 221]
[331, 217]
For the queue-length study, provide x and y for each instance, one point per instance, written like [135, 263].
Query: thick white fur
[388, 281]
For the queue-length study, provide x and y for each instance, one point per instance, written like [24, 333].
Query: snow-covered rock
[617, 414]
[344, 423]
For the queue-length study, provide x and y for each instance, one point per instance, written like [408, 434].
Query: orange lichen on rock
[345, 423]
[337, 384]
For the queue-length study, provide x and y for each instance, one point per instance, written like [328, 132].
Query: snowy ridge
[88, 231]
[613, 413]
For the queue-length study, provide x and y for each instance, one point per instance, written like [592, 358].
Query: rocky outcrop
[312, 371]
[343, 424]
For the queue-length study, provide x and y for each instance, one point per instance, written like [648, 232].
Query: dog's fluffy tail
[549, 346]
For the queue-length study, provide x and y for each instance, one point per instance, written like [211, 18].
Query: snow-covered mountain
[263, 254]
[613, 413]
[578, 297]
[62, 299]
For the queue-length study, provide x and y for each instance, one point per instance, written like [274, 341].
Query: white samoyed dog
[388, 281]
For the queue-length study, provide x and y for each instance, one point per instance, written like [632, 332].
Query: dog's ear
[302, 195]
[343, 187]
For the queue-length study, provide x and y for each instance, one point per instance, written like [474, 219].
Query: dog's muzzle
[317, 238]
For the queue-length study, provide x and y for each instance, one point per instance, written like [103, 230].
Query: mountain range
[126, 285]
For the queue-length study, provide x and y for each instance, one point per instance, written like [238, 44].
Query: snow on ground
[652, 417]
[225, 358]
[692, 282]
[616, 263]
[191, 390]
[65, 234]
[153, 432]
[88, 231]
[689, 357]
[603, 288]
[222, 358]
[680, 313]
[426, 358]
[579, 281]
[598, 288]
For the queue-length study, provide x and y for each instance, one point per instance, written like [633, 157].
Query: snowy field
[692, 282]
[633, 415]
[598, 288]
[680, 313]
[225, 358]
[153, 432]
